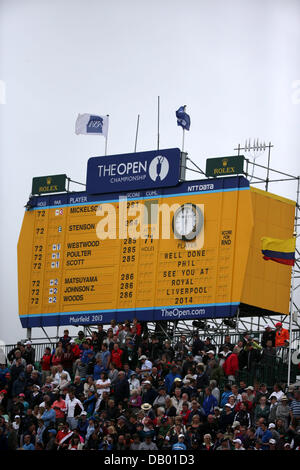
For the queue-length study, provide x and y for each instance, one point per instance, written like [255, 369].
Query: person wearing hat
[146, 365]
[282, 336]
[272, 444]
[224, 444]
[283, 411]
[3, 399]
[268, 335]
[179, 445]
[275, 434]
[146, 407]
[149, 394]
[226, 417]
[23, 401]
[238, 445]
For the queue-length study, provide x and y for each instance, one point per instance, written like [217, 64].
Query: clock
[187, 222]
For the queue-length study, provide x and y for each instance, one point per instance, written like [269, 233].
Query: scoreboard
[68, 275]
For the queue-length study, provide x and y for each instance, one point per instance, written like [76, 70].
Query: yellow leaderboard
[77, 265]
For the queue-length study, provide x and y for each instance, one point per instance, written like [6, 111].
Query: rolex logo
[48, 180]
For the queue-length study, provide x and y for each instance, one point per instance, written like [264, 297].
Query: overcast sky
[235, 64]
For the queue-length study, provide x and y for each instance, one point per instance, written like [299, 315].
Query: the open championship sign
[158, 168]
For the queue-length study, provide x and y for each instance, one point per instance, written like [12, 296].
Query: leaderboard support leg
[28, 333]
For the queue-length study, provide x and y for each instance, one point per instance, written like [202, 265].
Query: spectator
[29, 353]
[262, 410]
[209, 402]
[282, 336]
[74, 408]
[231, 365]
[268, 335]
[144, 403]
[65, 339]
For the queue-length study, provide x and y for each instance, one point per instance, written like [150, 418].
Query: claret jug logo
[159, 168]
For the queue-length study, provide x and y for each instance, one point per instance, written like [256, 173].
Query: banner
[154, 169]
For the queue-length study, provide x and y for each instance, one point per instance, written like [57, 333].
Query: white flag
[91, 124]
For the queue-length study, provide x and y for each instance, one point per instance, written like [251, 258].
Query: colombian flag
[281, 251]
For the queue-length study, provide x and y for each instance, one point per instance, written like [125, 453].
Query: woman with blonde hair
[57, 357]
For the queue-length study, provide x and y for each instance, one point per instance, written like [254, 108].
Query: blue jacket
[49, 417]
[224, 398]
[169, 379]
[98, 371]
[89, 405]
[209, 403]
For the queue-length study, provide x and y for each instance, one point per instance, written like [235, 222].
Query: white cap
[272, 426]
[83, 413]
[237, 441]
[147, 382]
[143, 357]
[28, 342]
[210, 352]
[181, 435]
[235, 424]
[272, 441]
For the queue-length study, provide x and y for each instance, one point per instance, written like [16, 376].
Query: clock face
[187, 222]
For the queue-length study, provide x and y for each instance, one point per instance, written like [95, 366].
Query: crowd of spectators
[124, 389]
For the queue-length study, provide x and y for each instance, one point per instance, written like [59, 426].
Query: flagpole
[183, 129]
[137, 131]
[106, 135]
[158, 122]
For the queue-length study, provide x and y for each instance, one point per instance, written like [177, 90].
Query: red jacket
[281, 336]
[231, 365]
[116, 358]
[76, 351]
[46, 361]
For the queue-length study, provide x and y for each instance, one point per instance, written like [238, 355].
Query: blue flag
[183, 119]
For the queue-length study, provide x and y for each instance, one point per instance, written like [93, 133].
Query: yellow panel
[64, 267]
[267, 284]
